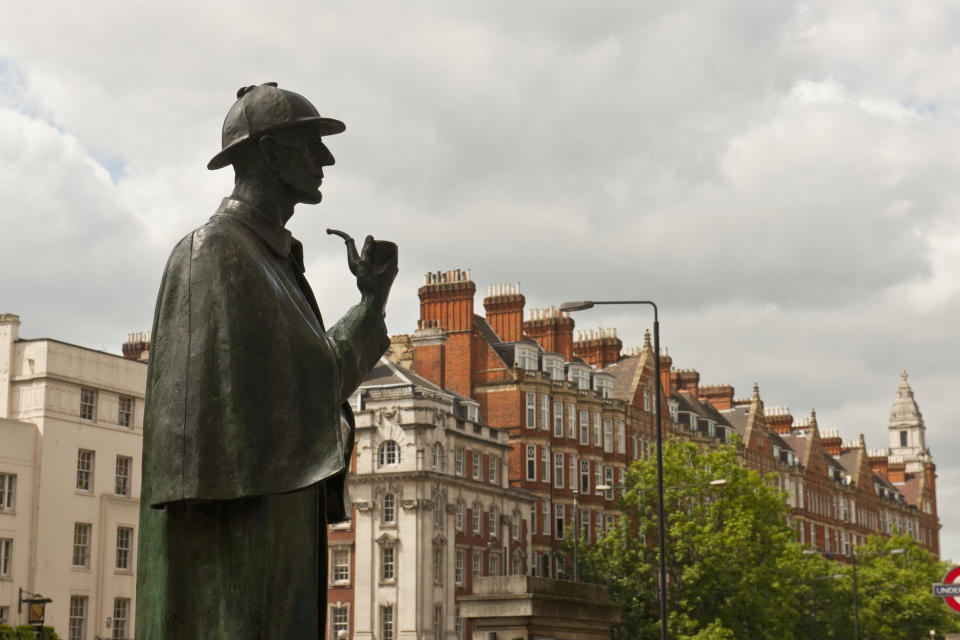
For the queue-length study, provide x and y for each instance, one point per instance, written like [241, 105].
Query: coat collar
[277, 237]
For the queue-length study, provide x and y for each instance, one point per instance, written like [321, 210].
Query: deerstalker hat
[260, 109]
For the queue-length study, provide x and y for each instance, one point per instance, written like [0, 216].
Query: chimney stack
[446, 302]
[504, 311]
[137, 346]
[598, 347]
[552, 329]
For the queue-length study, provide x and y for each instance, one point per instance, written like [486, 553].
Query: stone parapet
[526, 607]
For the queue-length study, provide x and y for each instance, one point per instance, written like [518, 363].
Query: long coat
[246, 436]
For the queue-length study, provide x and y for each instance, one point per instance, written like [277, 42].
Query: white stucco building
[432, 510]
[71, 424]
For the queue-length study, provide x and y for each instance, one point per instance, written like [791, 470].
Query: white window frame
[476, 515]
[388, 564]
[339, 619]
[531, 410]
[608, 479]
[494, 524]
[340, 565]
[621, 436]
[121, 485]
[493, 563]
[121, 616]
[436, 459]
[125, 405]
[124, 548]
[584, 475]
[458, 461]
[6, 557]
[8, 492]
[387, 622]
[560, 516]
[547, 517]
[475, 471]
[493, 472]
[571, 420]
[531, 462]
[545, 464]
[82, 532]
[544, 411]
[515, 525]
[584, 427]
[86, 463]
[458, 558]
[388, 511]
[388, 453]
[88, 404]
[558, 468]
[596, 429]
[608, 435]
[557, 419]
[461, 515]
[475, 564]
[77, 626]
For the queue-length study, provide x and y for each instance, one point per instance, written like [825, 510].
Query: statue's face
[302, 156]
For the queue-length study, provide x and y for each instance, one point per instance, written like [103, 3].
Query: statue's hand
[376, 271]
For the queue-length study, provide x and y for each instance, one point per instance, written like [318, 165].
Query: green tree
[726, 550]
[894, 575]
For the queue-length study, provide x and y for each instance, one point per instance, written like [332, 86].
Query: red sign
[949, 589]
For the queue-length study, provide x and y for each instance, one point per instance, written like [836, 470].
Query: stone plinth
[529, 608]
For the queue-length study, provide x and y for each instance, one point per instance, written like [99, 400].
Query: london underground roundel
[949, 589]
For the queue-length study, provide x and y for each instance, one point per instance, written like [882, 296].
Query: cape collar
[277, 237]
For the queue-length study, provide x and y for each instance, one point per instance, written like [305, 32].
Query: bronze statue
[247, 433]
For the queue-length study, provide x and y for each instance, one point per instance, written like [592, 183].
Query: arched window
[389, 453]
[389, 508]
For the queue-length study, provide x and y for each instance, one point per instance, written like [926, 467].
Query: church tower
[907, 431]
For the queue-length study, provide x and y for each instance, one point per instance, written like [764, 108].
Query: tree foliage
[735, 570]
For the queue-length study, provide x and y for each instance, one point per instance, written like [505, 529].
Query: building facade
[71, 423]
[579, 410]
[432, 509]
[569, 432]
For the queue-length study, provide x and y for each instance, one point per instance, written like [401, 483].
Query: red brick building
[579, 410]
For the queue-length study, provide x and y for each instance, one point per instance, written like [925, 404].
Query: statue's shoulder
[219, 238]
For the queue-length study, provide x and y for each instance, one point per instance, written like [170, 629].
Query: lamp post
[576, 536]
[853, 564]
[661, 531]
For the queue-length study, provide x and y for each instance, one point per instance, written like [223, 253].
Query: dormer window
[603, 385]
[526, 358]
[553, 365]
[579, 375]
[473, 413]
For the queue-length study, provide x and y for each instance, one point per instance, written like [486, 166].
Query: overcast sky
[781, 177]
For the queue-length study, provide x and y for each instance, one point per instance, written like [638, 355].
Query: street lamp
[661, 531]
[853, 564]
[576, 536]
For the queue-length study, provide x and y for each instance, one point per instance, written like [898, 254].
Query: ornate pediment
[387, 540]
